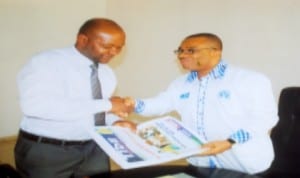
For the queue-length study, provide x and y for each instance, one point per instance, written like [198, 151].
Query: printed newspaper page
[156, 141]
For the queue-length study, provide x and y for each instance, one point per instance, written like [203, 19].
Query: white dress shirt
[56, 97]
[229, 102]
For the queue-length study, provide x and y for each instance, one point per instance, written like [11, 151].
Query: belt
[41, 139]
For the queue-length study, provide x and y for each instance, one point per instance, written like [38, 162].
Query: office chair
[286, 136]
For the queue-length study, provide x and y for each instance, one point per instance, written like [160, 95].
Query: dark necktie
[97, 93]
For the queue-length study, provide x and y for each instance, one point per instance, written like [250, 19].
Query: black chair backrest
[286, 134]
[7, 171]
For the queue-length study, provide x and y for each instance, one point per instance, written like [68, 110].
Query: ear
[81, 40]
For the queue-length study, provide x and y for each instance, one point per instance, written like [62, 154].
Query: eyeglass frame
[191, 51]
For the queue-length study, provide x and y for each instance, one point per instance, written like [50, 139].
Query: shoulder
[248, 83]
[246, 75]
[52, 56]
[46, 62]
[247, 80]
[182, 80]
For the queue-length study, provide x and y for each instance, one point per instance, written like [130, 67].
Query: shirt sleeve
[158, 105]
[260, 106]
[42, 95]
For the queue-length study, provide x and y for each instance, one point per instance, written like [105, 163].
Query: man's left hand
[127, 124]
[215, 147]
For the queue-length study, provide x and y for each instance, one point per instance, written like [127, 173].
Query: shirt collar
[217, 72]
[85, 60]
[82, 59]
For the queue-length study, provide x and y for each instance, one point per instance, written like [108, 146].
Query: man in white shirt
[231, 108]
[57, 101]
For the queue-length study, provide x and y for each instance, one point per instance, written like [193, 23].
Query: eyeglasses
[190, 51]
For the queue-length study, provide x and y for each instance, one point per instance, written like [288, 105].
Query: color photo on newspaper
[156, 141]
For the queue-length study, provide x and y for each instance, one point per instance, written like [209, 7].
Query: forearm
[152, 107]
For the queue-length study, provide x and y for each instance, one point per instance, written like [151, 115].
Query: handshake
[122, 107]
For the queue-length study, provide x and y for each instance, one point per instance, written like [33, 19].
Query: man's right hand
[120, 107]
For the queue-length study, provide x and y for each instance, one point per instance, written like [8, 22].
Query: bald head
[100, 39]
[99, 24]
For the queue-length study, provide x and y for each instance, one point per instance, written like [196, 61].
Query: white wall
[258, 34]
[27, 27]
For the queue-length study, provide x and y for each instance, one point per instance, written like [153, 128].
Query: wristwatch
[230, 140]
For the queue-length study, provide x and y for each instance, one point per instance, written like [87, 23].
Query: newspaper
[156, 141]
[178, 175]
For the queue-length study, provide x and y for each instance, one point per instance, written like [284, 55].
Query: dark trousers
[35, 159]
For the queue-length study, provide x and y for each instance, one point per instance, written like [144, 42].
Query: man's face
[197, 54]
[102, 46]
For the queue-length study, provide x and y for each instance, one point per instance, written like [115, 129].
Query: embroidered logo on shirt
[184, 95]
[139, 106]
[217, 73]
[224, 94]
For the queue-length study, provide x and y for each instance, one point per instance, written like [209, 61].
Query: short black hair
[209, 36]
[96, 22]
